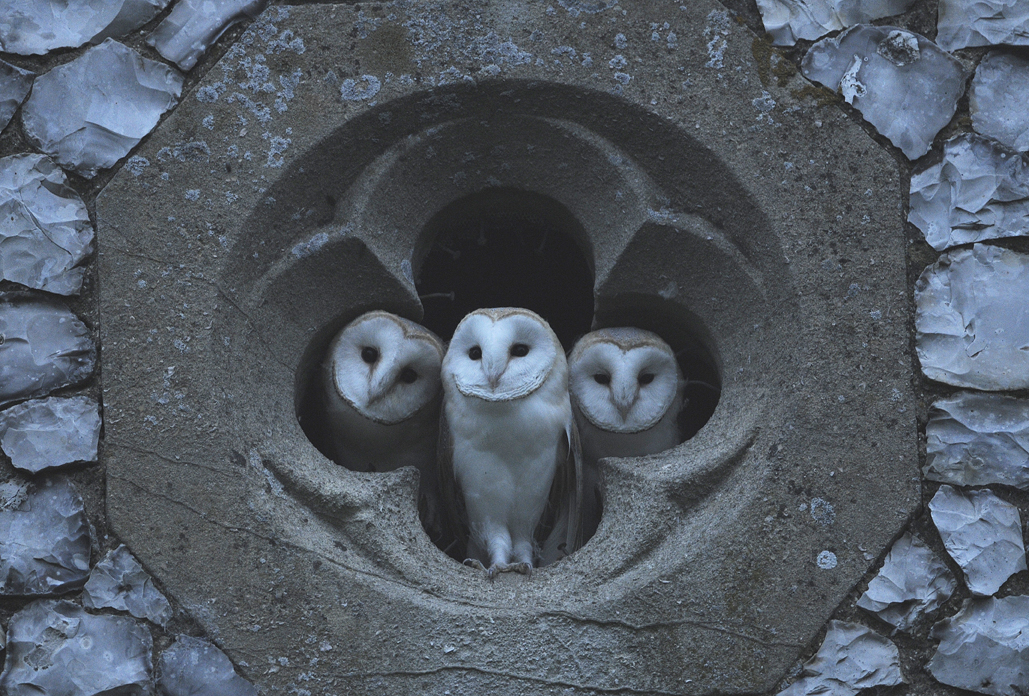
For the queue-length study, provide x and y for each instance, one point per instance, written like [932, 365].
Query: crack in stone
[621, 623]
[271, 540]
[500, 673]
[222, 293]
[105, 223]
[251, 322]
[139, 450]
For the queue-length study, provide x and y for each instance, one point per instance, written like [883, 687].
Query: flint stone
[984, 647]
[998, 98]
[789, 20]
[50, 432]
[44, 541]
[119, 582]
[979, 190]
[31, 28]
[971, 324]
[912, 582]
[57, 648]
[45, 230]
[852, 658]
[445, 105]
[982, 533]
[15, 84]
[901, 82]
[976, 439]
[965, 23]
[43, 347]
[194, 667]
[194, 25]
[13, 493]
[89, 113]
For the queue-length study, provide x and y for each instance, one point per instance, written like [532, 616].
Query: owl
[508, 451]
[382, 394]
[627, 391]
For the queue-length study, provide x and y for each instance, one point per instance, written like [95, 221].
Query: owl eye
[602, 378]
[369, 355]
[646, 378]
[519, 350]
[408, 376]
[475, 353]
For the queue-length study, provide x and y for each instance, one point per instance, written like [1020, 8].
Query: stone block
[310, 177]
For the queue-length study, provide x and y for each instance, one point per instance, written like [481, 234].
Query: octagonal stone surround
[270, 216]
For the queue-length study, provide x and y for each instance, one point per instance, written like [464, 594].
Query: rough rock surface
[119, 582]
[193, 25]
[45, 232]
[985, 646]
[976, 439]
[971, 324]
[912, 582]
[38, 27]
[901, 82]
[15, 84]
[964, 23]
[789, 20]
[194, 667]
[978, 189]
[89, 113]
[44, 433]
[55, 648]
[43, 347]
[982, 533]
[997, 98]
[44, 540]
[852, 658]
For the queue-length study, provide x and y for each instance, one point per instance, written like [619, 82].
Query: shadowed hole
[506, 248]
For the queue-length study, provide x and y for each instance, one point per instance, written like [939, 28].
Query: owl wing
[452, 519]
[560, 530]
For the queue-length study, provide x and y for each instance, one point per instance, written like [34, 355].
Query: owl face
[386, 367]
[501, 354]
[623, 380]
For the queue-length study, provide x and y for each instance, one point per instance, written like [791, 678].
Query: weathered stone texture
[290, 193]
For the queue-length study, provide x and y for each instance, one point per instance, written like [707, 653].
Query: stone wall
[922, 611]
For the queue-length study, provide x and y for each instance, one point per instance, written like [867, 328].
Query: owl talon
[477, 564]
[523, 568]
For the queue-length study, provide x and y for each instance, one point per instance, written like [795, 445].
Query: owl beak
[493, 372]
[624, 399]
[380, 387]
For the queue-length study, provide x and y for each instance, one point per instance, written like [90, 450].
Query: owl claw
[497, 568]
[475, 563]
[523, 568]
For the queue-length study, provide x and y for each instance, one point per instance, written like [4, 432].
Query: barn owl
[382, 394]
[627, 391]
[508, 452]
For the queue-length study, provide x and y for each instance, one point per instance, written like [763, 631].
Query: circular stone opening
[506, 247]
